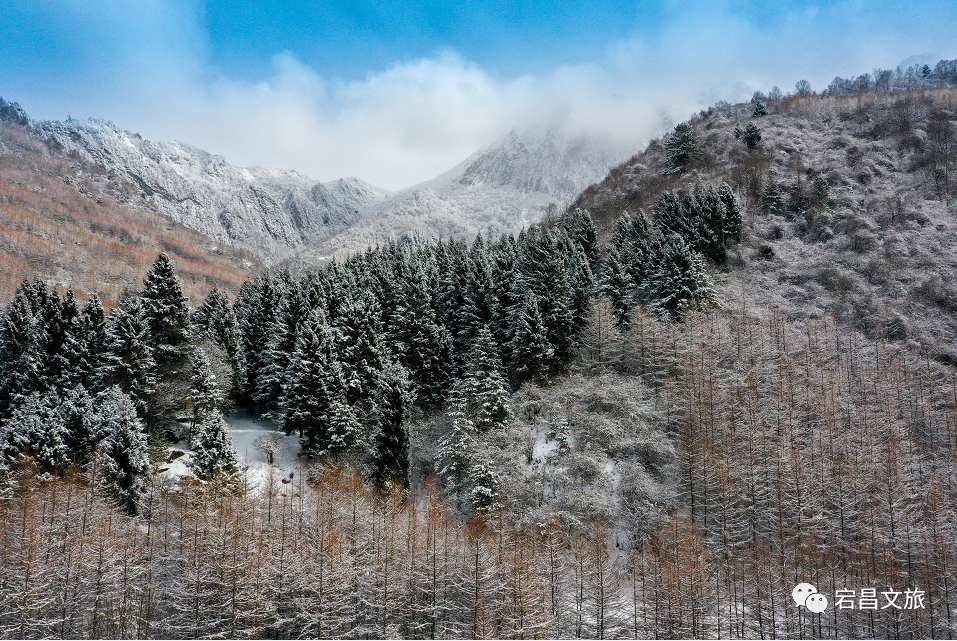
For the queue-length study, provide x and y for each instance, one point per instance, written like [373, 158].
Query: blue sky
[397, 92]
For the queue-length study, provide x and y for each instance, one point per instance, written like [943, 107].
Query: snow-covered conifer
[482, 392]
[531, 351]
[215, 455]
[389, 451]
[125, 448]
[681, 148]
[128, 358]
[680, 280]
[166, 312]
[36, 430]
[20, 360]
[203, 391]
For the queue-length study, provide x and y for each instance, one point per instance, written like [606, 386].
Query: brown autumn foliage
[59, 226]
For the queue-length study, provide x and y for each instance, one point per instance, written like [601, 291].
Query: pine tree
[84, 342]
[582, 284]
[389, 452]
[482, 392]
[20, 359]
[681, 149]
[678, 214]
[125, 447]
[314, 400]
[759, 110]
[772, 201]
[166, 313]
[680, 280]
[712, 244]
[581, 228]
[479, 302]
[751, 136]
[216, 319]
[616, 283]
[215, 455]
[363, 354]
[531, 351]
[78, 414]
[421, 345]
[255, 309]
[456, 450]
[203, 392]
[278, 348]
[732, 213]
[36, 430]
[128, 361]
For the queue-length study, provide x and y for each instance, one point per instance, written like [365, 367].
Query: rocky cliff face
[280, 213]
[498, 190]
[269, 211]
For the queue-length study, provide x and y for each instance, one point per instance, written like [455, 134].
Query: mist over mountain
[279, 212]
[498, 190]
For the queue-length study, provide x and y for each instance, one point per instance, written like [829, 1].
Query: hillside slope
[60, 221]
[866, 227]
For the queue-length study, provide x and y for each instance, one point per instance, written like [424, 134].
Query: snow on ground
[245, 431]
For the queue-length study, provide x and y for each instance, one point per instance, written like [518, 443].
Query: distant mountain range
[278, 213]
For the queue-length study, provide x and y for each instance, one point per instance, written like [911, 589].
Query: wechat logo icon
[807, 595]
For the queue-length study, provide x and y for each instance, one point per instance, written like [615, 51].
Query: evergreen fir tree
[541, 268]
[712, 244]
[20, 359]
[479, 302]
[215, 455]
[78, 414]
[678, 214]
[732, 213]
[37, 430]
[166, 313]
[127, 360]
[482, 392]
[421, 345]
[582, 285]
[255, 309]
[531, 351]
[680, 281]
[503, 254]
[363, 354]
[84, 342]
[278, 348]
[203, 392]
[314, 401]
[389, 452]
[125, 447]
[681, 149]
[456, 450]
[581, 229]
[215, 318]
[751, 136]
[617, 284]
[58, 318]
[772, 201]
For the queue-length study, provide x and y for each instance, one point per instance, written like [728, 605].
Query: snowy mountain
[500, 189]
[270, 211]
[278, 213]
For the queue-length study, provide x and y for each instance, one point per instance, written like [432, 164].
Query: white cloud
[417, 118]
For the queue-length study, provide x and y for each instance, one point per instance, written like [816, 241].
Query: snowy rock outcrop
[270, 211]
[498, 190]
[278, 213]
